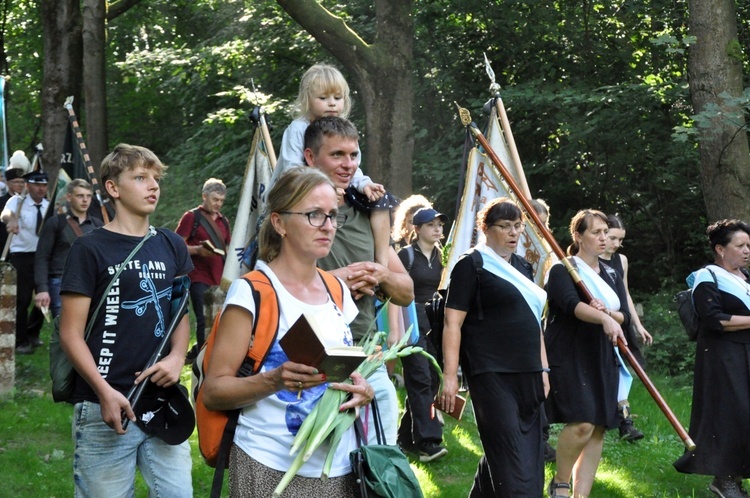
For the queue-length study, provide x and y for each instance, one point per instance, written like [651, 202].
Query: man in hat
[15, 183]
[23, 217]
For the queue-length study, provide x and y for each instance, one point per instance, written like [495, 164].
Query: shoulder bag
[380, 469]
[60, 369]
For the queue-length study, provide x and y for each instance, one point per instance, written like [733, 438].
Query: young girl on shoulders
[323, 91]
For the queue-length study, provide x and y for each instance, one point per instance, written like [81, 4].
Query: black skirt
[720, 415]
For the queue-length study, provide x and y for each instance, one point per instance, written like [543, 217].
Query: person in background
[331, 146]
[197, 226]
[619, 262]
[323, 91]
[123, 339]
[542, 210]
[493, 327]
[719, 422]
[300, 228]
[403, 228]
[55, 239]
[15, 182]
[581, 340]
[23, 218]
[420, 430]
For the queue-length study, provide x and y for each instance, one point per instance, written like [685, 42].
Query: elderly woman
[719, 420]
[300, 228]
[583, 363]
[492, 325]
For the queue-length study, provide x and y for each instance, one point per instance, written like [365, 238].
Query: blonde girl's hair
[291, 188]
[580, 223]
[321, 79]
[404, 214]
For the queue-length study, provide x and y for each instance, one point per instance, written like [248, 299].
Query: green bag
[60, 369]
[382, 470]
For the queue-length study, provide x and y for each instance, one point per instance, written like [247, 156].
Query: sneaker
[36, 342]
[407, 446]
[431, 451]
[550, 454]
[628, 432]
[25, 349]
[726, 488]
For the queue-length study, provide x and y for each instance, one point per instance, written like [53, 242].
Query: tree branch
[329, 30]
[119, 7]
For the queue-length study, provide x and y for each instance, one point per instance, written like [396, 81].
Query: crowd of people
[529, 356]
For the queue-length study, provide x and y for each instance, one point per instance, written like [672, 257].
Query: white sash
[492, 262]
[727, 282]
[597, 286]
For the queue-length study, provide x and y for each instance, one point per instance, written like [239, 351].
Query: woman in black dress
[720, 416]
[492, 323]
[583, 364]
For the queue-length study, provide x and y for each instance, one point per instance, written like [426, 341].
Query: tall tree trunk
[383, 73]
[714, 70]
[94, 77]
[63, 50]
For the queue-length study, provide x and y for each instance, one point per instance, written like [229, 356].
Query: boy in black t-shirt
[127, 330]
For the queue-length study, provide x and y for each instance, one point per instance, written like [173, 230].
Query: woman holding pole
[583, 363]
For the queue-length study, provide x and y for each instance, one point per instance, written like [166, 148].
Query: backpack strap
[410, 255]
[263, 335]
[476, 258]
[74, 226]
[211, 228]
[261, 339]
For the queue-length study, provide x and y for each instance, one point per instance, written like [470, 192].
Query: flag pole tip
[463, 114]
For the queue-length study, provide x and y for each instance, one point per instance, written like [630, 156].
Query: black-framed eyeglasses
[506, 227]
[318, 218]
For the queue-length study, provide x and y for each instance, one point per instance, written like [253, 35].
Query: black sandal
[554, 486]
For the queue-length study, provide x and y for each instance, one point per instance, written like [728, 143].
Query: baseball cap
[426, 215]
[166, 412]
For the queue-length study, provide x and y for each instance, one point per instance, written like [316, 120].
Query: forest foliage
[596, 93]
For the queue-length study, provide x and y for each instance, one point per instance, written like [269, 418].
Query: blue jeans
[53, 284]
[104, 463]
[387, 406]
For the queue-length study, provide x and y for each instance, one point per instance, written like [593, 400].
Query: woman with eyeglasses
[492, 327]
[583, 363]
[300, 228]
[719, 421]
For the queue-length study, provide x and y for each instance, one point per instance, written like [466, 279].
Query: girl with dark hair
[719, 422]
[583, 363]
[635, 333]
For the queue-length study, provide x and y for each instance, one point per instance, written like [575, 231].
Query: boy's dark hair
[328, 126]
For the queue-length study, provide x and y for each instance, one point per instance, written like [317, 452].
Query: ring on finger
[299, 384]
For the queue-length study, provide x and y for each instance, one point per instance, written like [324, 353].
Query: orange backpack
[216, 428]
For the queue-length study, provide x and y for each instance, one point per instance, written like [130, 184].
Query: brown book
[458, 407]
[304, 343]
[211, 247]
